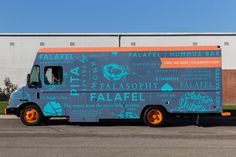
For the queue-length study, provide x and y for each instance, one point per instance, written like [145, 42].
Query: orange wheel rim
[31, 115]
[154, 116]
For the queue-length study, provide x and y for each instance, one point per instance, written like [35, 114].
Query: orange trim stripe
[129, 49]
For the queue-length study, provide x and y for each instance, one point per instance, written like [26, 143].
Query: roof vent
[195, 43]
[41, 44]
[133, 43]
[72, 43]
[12, 44]
[226, 43]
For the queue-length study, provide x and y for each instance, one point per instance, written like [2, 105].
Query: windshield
[34, 76]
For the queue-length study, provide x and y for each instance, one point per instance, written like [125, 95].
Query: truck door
[31, 93]
[52, 96]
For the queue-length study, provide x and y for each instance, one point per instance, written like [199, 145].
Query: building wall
[16, 60]
[229, 52]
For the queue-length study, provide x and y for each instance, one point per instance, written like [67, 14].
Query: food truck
[147, 83]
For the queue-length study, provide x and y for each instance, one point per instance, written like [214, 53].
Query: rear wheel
[154, 116]
[31, 115]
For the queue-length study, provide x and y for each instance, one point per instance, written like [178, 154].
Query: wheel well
[144, 109]
[22, 106]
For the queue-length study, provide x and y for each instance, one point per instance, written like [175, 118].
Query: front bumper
[10, 110]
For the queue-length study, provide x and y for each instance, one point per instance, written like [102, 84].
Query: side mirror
[28, 79]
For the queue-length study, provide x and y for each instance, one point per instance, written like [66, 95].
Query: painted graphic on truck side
[119, 85]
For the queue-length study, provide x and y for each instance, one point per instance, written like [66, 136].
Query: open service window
[53, 75]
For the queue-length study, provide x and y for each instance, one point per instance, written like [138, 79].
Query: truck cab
[24, 101]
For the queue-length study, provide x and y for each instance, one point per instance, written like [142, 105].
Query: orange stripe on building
[196, 62]
[129, 49]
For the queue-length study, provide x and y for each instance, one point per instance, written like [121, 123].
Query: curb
[8, 117]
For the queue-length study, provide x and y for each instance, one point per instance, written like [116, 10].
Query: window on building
[133, 43]
[226, 43]
[53, 75]
[195, 43]
[42, 44]
[72, 43]
[12, 44]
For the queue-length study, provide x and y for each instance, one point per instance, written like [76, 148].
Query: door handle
[38, 95]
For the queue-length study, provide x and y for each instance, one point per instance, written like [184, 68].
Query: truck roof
[129, 49]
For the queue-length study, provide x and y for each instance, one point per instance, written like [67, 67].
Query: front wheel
[154, 116]
[31, 115]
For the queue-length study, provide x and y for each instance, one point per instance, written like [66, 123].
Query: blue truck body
[120, 84]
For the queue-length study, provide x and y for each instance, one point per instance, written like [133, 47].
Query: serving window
[53, 75]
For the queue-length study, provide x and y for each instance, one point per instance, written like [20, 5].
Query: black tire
[154, 122]
[35, 110]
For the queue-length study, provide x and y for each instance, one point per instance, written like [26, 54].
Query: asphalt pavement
[213, 137]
